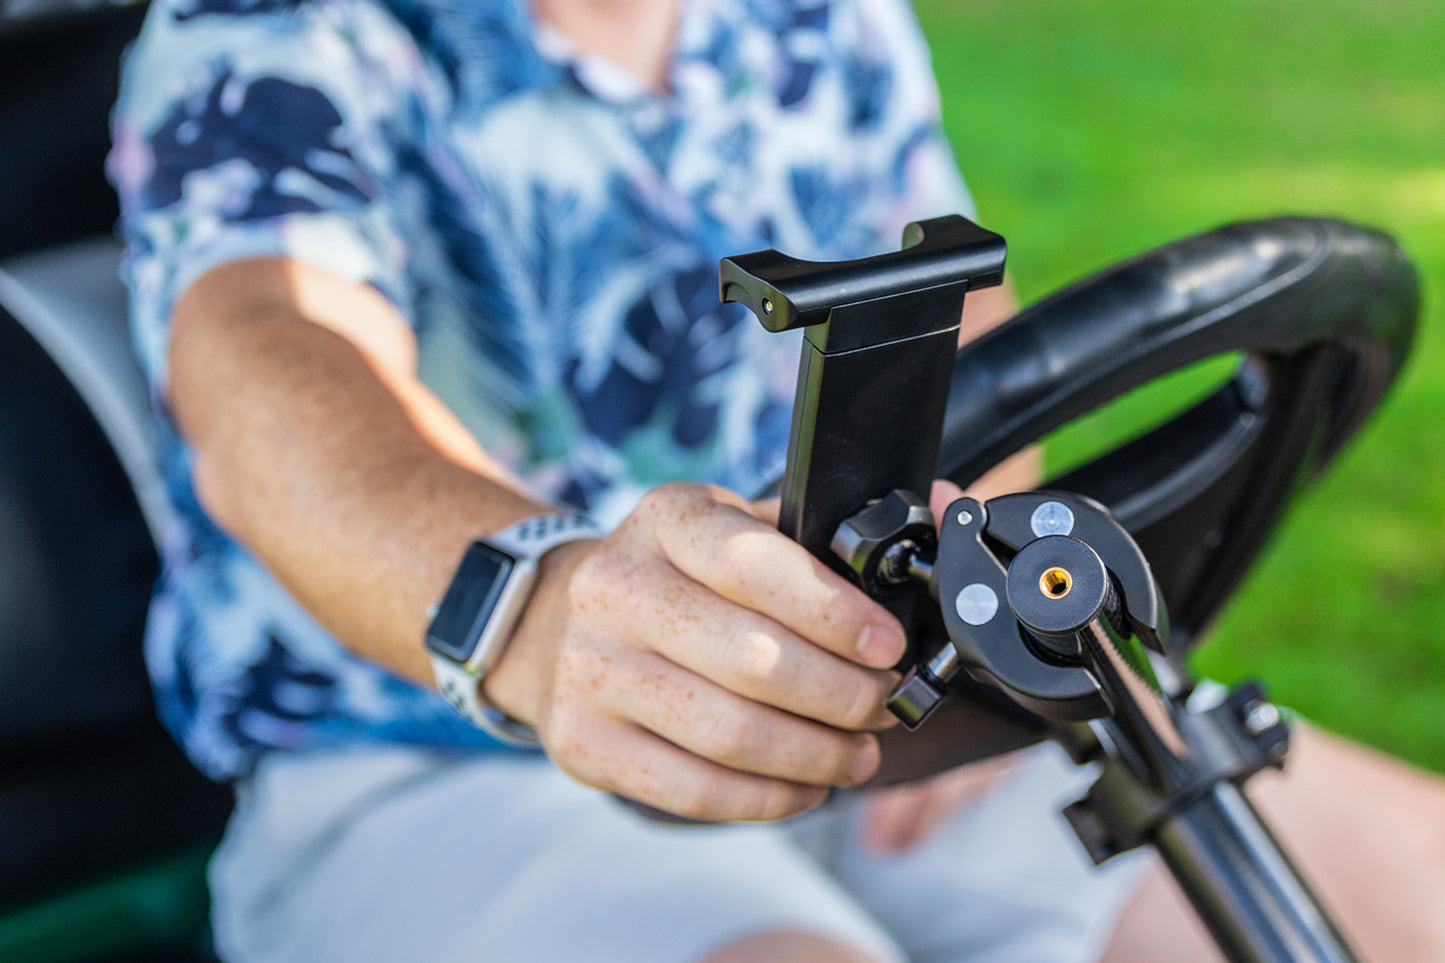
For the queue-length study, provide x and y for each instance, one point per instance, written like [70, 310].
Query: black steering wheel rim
[1324, 313]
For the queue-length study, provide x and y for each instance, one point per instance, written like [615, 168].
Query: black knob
[1056, 586]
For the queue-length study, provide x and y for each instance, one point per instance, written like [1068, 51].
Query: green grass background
[1093, 130]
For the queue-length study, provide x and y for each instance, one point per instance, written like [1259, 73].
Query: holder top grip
[785, 292]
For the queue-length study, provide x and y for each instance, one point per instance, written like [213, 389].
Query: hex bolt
[897, 560]
[1261, 717]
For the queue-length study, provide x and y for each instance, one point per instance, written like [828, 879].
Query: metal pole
[1243, 886]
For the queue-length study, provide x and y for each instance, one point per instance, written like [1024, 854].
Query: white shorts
[400, 856]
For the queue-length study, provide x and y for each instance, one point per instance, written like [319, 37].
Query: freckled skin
[657, 593]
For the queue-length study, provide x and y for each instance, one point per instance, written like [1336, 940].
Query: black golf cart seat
[90, 784]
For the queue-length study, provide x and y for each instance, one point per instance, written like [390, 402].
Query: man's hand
[699, 661]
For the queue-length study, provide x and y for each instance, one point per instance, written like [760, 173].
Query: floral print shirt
[549, 226]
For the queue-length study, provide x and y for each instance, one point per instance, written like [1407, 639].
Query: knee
[789, 946]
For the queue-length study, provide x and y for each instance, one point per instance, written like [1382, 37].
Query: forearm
[327, 459]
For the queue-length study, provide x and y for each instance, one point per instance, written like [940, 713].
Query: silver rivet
[767, 306]
[1052, 518]
[977, 604]
[965, 517]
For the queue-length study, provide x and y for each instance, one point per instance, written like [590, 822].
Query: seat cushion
[89, 781]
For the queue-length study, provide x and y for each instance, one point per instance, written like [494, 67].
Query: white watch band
[463, 692]
[461, 684]
[533, 537]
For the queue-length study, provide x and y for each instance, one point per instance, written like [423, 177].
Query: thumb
[943, 493]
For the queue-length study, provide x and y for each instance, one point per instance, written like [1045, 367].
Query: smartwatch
[473, 622]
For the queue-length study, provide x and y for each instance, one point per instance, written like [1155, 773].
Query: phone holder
[1047, 598]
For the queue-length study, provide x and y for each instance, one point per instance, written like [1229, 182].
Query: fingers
[712, 538]
[942, 494]
[740, 650]
[709, 666]
[619, 757]
[709, 721]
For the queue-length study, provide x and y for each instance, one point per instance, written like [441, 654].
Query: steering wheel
[1324, 314]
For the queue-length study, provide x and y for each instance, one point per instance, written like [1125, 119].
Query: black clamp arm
[1029, 586]
[869, 301]
[1046, 597]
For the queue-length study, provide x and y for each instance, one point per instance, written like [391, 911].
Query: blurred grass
[1094, 130]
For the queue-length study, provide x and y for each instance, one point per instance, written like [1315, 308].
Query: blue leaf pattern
[274, 127]
[186, 9]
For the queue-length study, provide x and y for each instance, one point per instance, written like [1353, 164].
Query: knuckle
[652, 503]
[859, 709]
[670, 500]
[746, 551]
[728, 737]
[593, 577]
[692, 799]
[609, 581]
[754, 659]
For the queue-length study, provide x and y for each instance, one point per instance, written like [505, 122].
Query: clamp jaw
[1040, 592]
[1046, 597]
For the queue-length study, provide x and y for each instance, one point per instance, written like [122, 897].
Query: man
[408, 274]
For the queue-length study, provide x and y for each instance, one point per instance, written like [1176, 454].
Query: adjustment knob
[863, 540]
[1056, 586]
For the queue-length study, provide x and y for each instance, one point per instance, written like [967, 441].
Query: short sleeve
[896, 85]
[255, 129]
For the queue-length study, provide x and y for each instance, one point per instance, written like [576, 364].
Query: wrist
[520, 682]
[475, 622]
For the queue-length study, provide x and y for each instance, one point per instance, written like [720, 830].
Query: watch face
[469, 602]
